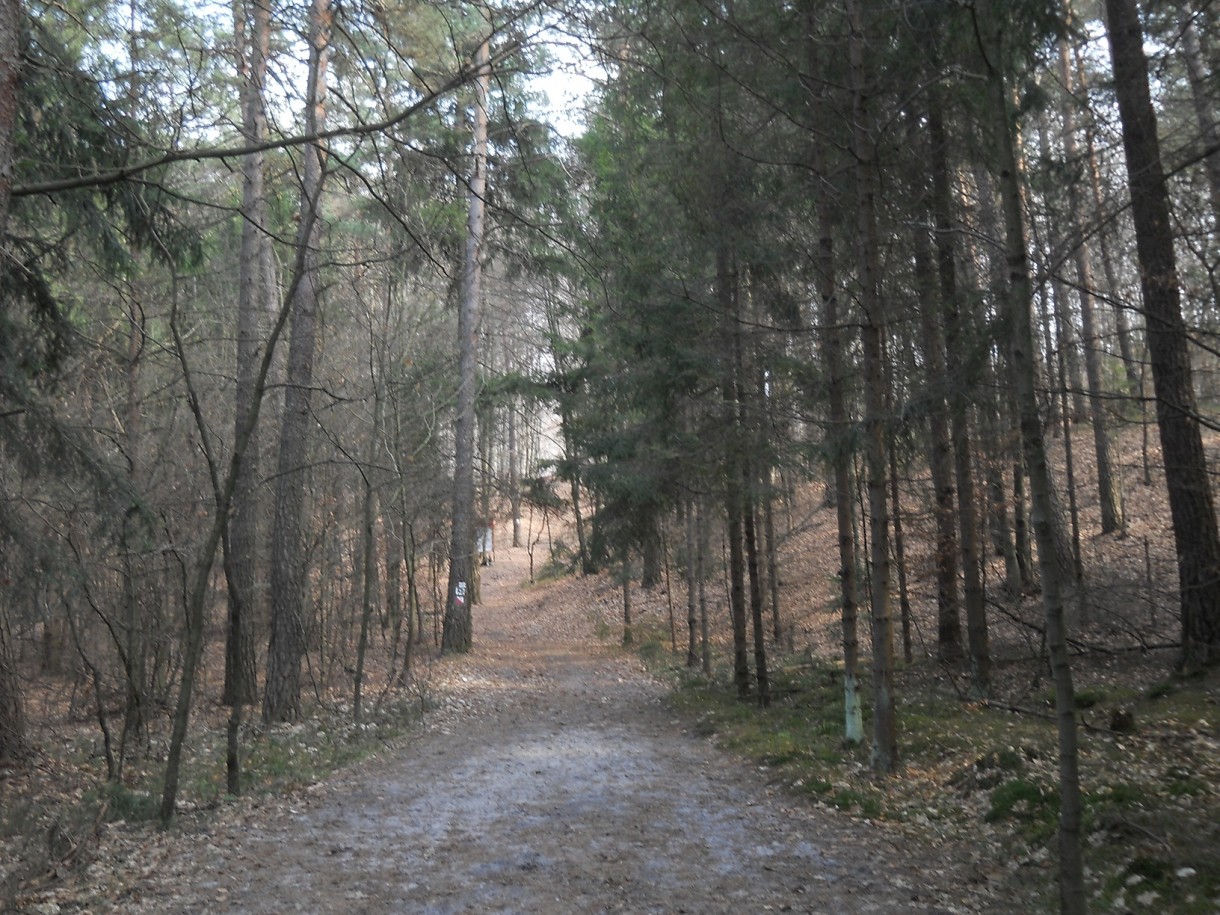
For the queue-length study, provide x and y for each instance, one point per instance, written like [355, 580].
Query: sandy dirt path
[552, 780]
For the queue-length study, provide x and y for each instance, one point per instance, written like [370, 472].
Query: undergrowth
[55, 832]
[987, 777]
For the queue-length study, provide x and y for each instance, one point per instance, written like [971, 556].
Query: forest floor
[551, 778]
[555, 771]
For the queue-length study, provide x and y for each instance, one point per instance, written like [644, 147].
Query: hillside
[985, 772]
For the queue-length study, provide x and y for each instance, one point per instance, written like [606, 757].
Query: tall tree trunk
[1122, 326]
[737, 584]
[949, 647]
[14, 739]
[136, 621]
[485, 523]
[368, 596]
[1205, 109]
[1020, 506]
[900, 556]
[834, 349]
[650, 554]
[368, 592]
[514, 473]
[12, 21]
[414, 612]
[570, 466]
[1191, 502]
[1069, 457]
[1024, 370]
[772, 553]
[849, 591]
[692, 584]
[282, 694]
[702, 535]
[956, 342]
[252, 21]
[757, 625]
[628, 622]
[904, 598]
[195, 600]
[457, 634]
[1000, 522]
[394, 558]
[1108, 489]
[197, 585]
[885, 724]
[734, 460]
[750, 407]
[1007, 405]
[584, 555]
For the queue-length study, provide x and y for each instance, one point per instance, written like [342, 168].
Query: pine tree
[1191, 502]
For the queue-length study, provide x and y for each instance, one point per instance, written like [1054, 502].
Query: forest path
[551, 780]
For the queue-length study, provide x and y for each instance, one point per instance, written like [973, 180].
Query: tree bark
[369, 576]
[14, 741]
[1069, 453]
[136, 619]
[457, 633]
[772, 553]
[223, 485]
[750, 390]
[1191, 502]
[955, 342]
[11, 21]
[701, 532]
[885, 724]
[583, 555]
[1024, 371]
[757, 625]
[628, 621]
[13, 736]
[692, 584]
[394, 557]
[1108, 489]
[949, 647]
[853, 718]
[834, 350]
[1205, 110]
[514, 473]
[904, 598]
[282, 693]
[1122, 326]
[650, 554]
[252, 30]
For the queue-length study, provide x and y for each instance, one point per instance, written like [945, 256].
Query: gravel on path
[551, 779]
